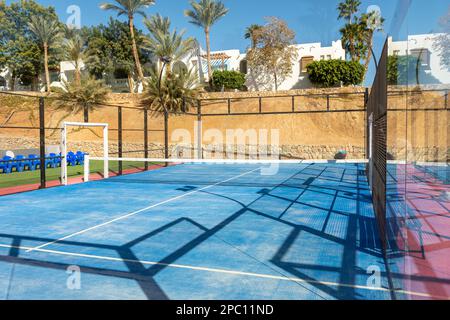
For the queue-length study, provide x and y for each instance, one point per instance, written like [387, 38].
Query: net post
[120, 138]
[64, 155]
[105, 153]
[42, 142]
[146, 137]
[86, 167]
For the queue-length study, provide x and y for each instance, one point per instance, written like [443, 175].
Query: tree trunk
[47, 73]
[130, 83]
[208, 53]
[77, 74]
[369, 54]
[276, 81]
[135, 50]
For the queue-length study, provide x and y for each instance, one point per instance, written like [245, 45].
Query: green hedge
[229, 80]
[330, 73]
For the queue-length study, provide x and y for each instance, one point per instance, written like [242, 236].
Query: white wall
[423, 41]
[232, 63]
[67, 68]
[7, 76]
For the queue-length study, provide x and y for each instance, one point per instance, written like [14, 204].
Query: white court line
[223, 271]
[138, 211]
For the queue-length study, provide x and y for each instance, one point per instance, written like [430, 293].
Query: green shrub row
[331, 73]
[228, 80]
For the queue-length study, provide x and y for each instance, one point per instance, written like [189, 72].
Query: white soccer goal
[66, 125]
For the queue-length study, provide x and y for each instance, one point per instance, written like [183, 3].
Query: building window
[243, 66]
[304, 63]
[322, 57]
[2, 82]
[422, 55]
[329, 57]
[396, 52]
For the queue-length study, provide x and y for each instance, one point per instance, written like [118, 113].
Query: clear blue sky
[312, 20]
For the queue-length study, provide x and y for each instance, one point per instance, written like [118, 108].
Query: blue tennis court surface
[196, 231]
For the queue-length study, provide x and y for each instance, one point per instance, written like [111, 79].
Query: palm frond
[90, 94]
[206, 13]
[175, 93]
[128, 7]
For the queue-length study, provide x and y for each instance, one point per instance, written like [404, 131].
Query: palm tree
[177, 92]
[205, 14]
[348, 8]
[353, 40]
[130, 8]
[373, 23]
[74, 51]
[346, 11]
[165, 44]
[48, 33]
[83, 97]
[252, 33]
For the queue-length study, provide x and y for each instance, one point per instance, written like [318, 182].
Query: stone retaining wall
[156, 150]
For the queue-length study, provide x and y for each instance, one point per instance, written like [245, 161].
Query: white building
[235, 60]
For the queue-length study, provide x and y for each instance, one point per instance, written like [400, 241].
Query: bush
[229, 80]
[330, 73]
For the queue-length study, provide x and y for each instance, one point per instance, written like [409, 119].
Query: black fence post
[120, 138]
[446, 99]
[229, 106]
[366, 118]
[42, 142]
[293, 103]
[366, 98]
[328, 102]
[260, 104]
[86, 114]
[166, 134]
[146, 137]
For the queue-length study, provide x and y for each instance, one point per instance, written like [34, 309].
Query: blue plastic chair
[20, 163]
[34, 162]
[71, 159]
[49, 163]
[80, 158]
[16, 164]
[5, 165]
[56, 159]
